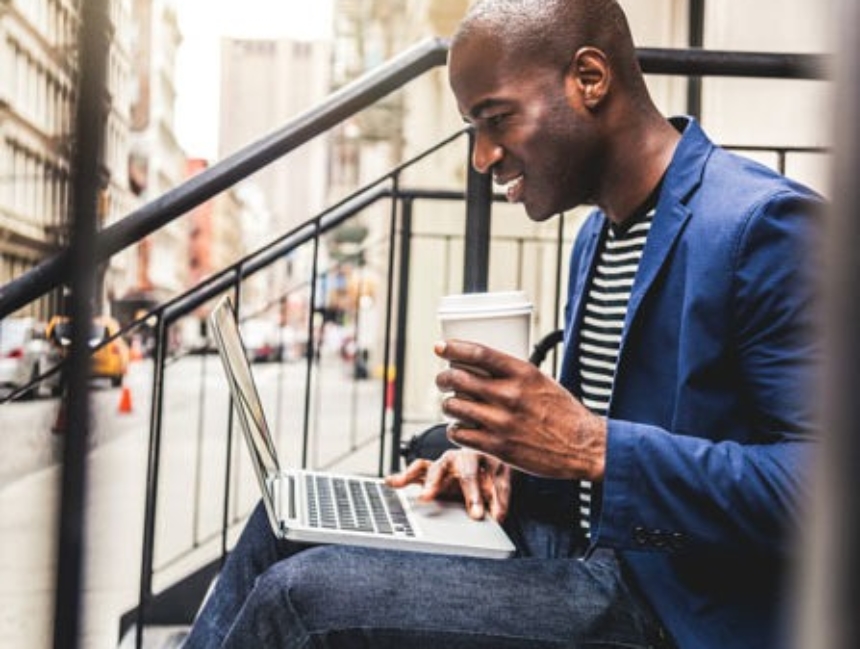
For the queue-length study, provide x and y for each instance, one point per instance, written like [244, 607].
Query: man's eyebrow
[482, 107]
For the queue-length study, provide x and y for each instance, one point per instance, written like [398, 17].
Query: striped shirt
[602, 326]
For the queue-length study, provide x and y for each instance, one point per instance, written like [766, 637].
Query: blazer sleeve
[722, 491]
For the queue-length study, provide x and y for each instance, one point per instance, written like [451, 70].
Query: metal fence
[90, 249]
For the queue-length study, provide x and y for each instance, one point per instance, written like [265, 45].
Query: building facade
[216, 237]
[38, 65]
[117, 198]
[157, 266]
[265, 83]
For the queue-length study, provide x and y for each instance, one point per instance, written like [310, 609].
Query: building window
[6, 173]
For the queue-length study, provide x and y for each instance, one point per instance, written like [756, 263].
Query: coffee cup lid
[466, 304]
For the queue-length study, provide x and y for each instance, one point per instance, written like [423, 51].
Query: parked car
[109, 361]
[262, 340]
[291, 343]
[25, 355]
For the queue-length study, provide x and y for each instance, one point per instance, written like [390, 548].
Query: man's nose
[485, 153]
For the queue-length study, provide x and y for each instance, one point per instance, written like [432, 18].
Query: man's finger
[475, 355]
[500, 494]
[415, 472]
[468, 470]
[437, 477]
[472, 497]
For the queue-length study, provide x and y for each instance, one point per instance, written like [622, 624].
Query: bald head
[549, 32]
[558, 104]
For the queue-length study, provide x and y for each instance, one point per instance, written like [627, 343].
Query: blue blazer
[710, 425]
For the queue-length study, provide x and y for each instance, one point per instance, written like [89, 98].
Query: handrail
[263, 257]
[181, 304]
[339, 106]
[721, 63]
[347, 101]
[375, 190]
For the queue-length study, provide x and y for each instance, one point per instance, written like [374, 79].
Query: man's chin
[538, 213]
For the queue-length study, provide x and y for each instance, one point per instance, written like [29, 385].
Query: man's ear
[588, 78]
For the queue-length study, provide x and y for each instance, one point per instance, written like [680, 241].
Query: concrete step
[156, 637]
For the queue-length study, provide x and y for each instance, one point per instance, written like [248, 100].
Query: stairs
[156, 637]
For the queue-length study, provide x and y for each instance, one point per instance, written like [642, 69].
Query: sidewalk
[28, 533]
[116, 469]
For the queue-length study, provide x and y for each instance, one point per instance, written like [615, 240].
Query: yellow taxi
[109, 361]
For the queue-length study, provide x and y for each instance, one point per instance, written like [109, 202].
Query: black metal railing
[395, 244]
[352, 98]
[477, 235]
[341, 105]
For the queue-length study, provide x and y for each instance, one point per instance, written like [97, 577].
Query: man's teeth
[508, 185]
[512, 187]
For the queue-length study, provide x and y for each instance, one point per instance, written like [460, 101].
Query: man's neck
[643, 153]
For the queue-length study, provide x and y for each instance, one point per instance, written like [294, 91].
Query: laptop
[323, 507]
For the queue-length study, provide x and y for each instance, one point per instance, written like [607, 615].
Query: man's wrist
[595, 432]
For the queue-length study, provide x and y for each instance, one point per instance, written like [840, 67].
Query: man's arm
[718, 487]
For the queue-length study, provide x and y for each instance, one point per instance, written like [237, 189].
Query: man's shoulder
[754, 174]
[705, 171]
[734, 183]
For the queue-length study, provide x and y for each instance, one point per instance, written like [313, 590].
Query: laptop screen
[244, 390]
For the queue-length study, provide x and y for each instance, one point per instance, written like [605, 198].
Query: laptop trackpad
[448, 517]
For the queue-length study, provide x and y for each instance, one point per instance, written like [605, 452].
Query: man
[654, 492]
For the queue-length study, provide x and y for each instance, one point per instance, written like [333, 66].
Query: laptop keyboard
[354, 504]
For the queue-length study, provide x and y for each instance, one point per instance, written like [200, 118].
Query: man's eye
[495, 121]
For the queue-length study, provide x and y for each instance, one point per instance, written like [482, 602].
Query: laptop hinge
[283, 490]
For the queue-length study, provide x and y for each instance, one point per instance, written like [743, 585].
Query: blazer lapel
[665, 229]
[682, 180]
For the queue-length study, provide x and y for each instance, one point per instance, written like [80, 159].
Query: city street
[27, 442]
[30, 474]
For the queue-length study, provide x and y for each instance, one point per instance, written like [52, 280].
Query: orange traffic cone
[135, 353]
[125, 399]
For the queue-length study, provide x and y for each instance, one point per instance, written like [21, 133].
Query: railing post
[402, 323]
[389, 302]
[479, 194]
[695, 39]
[198, 449]
[156, 419]
[93, 46]
[312, 350]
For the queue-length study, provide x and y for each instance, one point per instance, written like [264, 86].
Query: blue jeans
[277, 594]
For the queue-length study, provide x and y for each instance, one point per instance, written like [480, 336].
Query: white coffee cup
[501, 320]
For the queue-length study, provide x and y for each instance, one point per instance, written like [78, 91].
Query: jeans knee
[301, 579]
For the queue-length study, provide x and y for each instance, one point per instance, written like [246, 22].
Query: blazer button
[640, 535]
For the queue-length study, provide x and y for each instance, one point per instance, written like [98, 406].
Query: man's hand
[519, 414]
[483, 482]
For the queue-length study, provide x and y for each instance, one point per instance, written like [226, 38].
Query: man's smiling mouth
[513, 188]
